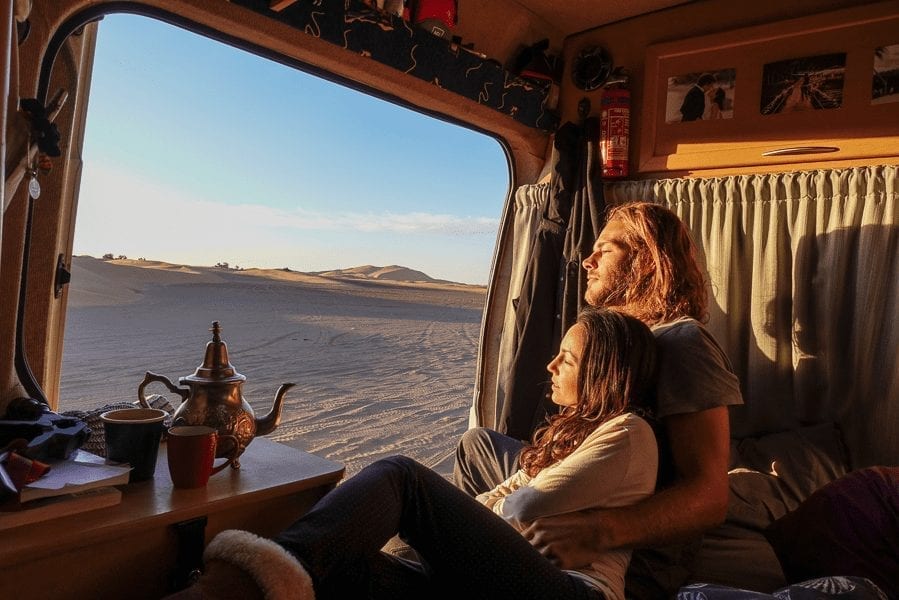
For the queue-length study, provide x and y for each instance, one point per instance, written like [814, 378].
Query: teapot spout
[268, 423]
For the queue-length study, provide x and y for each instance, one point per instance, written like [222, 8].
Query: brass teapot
[213, 398]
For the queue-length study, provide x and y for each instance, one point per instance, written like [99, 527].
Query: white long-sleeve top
[614, 466]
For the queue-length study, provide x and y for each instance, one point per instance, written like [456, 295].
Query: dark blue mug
[133, 436]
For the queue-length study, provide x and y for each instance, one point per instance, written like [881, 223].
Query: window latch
[63, 276]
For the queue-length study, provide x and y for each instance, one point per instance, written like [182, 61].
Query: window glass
[342, 242]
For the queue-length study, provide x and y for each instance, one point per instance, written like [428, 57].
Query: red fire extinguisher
[614, 126]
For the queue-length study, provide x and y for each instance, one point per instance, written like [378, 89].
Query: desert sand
[383, 357]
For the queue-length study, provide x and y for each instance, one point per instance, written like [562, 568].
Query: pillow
[770, 475]
[800, 460]
[848, 527]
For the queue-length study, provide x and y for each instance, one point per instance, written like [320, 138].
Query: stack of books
[80, 483]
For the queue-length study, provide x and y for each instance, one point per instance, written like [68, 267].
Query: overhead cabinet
[819, 88]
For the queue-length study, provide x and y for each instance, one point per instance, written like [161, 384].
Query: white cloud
[112, 192]
[417, 222]
[124, 214]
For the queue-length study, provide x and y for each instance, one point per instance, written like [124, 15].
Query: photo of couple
[701, 96]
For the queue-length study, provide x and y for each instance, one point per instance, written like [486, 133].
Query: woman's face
[565, 366]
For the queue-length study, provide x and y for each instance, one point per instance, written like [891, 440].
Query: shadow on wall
[820, 342]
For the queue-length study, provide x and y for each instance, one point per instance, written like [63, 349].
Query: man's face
[608, 266]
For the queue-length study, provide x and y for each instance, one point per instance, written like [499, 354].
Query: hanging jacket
[554, 282]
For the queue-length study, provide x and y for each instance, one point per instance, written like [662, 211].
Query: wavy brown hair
[664, 281]
[616, 374]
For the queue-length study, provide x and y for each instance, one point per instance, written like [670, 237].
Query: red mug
[191, 452]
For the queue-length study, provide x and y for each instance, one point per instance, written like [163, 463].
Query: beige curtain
[529, 204]
[804, 278]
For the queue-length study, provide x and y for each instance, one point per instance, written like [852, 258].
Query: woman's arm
[614, 466]
[696, 502]
[496, 495]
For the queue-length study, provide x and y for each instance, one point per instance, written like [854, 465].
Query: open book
[80, 472]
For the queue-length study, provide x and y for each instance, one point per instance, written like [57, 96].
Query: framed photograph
[885, 83]
[701, 96]
[810, 83]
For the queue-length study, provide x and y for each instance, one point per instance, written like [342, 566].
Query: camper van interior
[769, 128]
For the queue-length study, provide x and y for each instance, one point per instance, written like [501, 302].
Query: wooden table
[131, 550]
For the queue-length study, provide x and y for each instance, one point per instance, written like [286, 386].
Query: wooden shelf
[129, 550]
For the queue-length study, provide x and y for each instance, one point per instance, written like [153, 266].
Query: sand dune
[390, 273]
[382, 366]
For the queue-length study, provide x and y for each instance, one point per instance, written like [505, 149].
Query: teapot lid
[216, 367]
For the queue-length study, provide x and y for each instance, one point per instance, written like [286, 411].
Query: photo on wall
[885, 84]
[809, 83]
[701, 96]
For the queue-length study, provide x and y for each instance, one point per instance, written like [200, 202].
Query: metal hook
[583, 109]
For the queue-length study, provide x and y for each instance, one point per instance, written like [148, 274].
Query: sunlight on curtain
[530, 203]
[804, 279]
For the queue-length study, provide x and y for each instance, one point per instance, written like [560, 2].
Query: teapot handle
[150, 377]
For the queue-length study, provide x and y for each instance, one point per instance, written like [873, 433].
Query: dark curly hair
[616, 374]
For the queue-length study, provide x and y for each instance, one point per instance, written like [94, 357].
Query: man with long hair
[644, 264]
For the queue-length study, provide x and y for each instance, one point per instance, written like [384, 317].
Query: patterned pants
[466, 550]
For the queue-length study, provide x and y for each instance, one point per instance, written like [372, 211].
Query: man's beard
[613, 291]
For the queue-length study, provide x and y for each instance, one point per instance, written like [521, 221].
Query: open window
[221, 186]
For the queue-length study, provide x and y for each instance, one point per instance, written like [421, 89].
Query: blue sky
[196, 153]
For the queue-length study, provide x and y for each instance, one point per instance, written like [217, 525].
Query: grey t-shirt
[694, 375]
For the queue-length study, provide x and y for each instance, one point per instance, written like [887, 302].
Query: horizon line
[349, 272]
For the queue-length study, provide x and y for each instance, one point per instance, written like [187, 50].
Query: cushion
[770, 475]
[796, 463]
[848, 527]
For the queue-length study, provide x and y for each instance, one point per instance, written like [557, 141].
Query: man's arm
[700, 444]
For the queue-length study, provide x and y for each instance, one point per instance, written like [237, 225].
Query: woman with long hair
[595, 452]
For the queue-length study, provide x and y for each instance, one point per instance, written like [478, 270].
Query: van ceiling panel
[575, 16]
